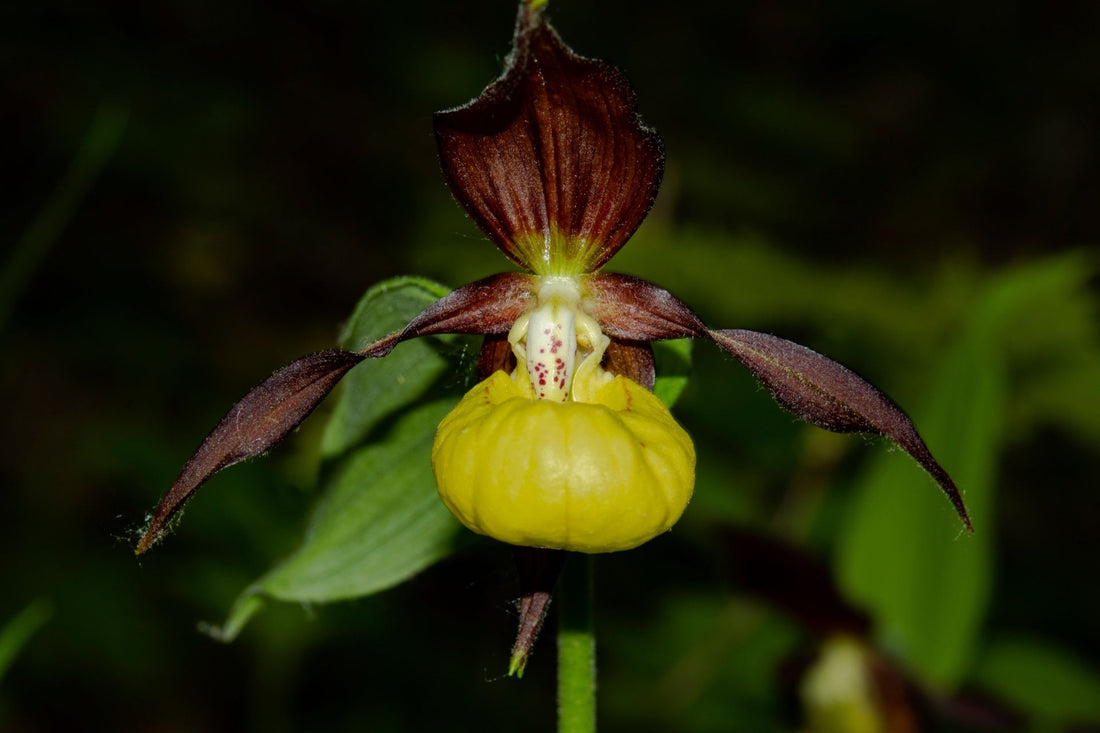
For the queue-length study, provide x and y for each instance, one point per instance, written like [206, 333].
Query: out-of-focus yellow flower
[838, 691]
[546, 457]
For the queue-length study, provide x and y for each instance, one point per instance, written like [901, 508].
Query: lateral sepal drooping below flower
[538, 570]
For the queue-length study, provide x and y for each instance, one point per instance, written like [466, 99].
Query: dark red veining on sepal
[552, 154]
[829, 395]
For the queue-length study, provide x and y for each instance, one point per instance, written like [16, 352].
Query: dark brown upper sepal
[551, 161]
[829, 395]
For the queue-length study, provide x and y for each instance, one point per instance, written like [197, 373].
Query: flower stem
[576, 648]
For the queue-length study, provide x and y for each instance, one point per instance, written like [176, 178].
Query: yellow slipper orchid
[568, 449]
[561, 445]
[544, 457]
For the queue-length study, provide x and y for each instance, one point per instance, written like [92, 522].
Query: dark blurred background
[197, 193]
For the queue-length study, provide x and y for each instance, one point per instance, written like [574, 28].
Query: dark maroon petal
[630, 308]
[263, 418]
[633, 360]
[273, 409]
[551, 161]
[495, 355]
[488, 306]
[829, 395]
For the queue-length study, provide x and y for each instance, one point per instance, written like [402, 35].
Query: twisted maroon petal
[813, 387]
[829, 395]
[551, 161]
[628, 307]
[267, 414]
[487, 306]
[263, 418]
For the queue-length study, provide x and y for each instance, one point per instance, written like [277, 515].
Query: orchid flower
[562, 445]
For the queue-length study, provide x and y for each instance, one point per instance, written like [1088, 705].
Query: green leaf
[17, 632]
[1038, 678]
[379, 523]
[901, 554]
[1057, 347]
[375, 389]
[673, 364]
[379, 520]
[708, 664]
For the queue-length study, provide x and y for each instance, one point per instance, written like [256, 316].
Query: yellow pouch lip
[596, 476]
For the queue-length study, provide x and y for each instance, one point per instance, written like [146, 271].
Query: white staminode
[548, 338]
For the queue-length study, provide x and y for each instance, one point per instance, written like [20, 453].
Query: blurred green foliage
[908, 190]
[15, 634]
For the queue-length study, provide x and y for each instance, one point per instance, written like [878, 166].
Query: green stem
[576, 648]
